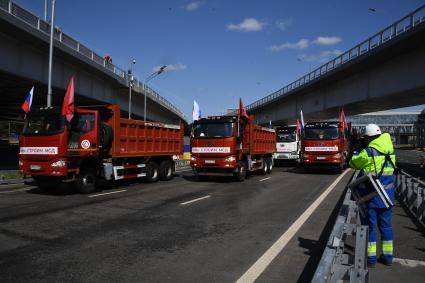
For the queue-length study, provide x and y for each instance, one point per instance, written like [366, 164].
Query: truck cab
[324, 144]
[52, 149]
[230, 146]
[214, 145]
[288, 145]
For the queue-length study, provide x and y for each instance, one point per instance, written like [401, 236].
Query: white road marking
[264, 179]
[92, 196]
[409, 262]
[197, 199]
[261, 264]
[17, 190]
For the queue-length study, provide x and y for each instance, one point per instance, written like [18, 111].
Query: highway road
[176, 231]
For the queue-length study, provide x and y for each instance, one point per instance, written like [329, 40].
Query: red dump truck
[324, 144]
[96, 145]
[231, 146]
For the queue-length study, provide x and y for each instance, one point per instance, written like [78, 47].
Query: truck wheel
[264, 167]
[340, 168]
[86, 181]
[269, 165]
[165, 170]
[241, 173]
[152, 172]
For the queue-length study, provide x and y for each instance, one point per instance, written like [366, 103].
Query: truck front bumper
[43, 168]
[286, 156]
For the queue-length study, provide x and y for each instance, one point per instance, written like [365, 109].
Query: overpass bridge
[24, 45]
[383, 72]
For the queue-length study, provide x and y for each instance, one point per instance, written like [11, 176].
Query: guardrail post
[418, 202]
[78, 46]
[10, 6]
[422, 205]
[359, 271]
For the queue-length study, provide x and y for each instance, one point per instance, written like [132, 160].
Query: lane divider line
[197, 199]
[264, 179]
[98, 195]
[264, 261]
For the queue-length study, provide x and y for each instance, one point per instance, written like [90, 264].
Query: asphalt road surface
[176, 231]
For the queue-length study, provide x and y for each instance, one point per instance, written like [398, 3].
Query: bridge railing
[410, 21]
[43, 26]
[336, 263]
[411, 192]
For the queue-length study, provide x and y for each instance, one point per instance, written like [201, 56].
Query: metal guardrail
[336, 264]
[36, 22]
[411, 192]
[397, 28]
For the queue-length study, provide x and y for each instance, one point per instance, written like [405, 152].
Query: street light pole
[130, 86]
[151, 76]
[49, 84]
[45, 10]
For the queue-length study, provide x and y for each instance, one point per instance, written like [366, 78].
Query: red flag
[68, 102]
[342, 120]
[242, 111]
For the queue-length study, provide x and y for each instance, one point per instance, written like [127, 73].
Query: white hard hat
[372, 130]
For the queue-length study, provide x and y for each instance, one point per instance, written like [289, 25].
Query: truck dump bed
[133, 138]
[259, 140]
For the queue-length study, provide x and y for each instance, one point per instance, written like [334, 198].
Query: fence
[39, 24]
[396, 29]
[411, 192]
[337, 263]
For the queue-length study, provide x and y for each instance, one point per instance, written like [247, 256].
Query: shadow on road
[315, 248]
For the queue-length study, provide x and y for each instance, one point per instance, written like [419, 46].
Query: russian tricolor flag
[27, 103]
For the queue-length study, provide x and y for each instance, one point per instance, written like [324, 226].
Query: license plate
[35, 167]
[321, 158]
[209, 161]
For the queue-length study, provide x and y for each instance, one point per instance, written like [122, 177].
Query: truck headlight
[59, 163]
[193, 158]
[338, 155]
[230, 158]
[306, 155]
[20, 163]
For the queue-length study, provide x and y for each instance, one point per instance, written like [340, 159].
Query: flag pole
[49, 84]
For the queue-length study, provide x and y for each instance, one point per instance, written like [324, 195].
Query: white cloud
[327, 40]
[193, 6]
[247, 25]
[284, 24]
[171, 68]
[301, 44]
[322, 57]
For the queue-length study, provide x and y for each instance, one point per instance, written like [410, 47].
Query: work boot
[386, 261]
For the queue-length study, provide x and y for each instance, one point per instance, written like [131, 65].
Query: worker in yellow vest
[378, 158]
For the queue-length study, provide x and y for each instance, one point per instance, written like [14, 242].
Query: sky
[219, 50]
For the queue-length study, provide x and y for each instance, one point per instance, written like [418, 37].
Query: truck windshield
[213, 130]
[43, 125]
[330, 133]
[286, 135]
